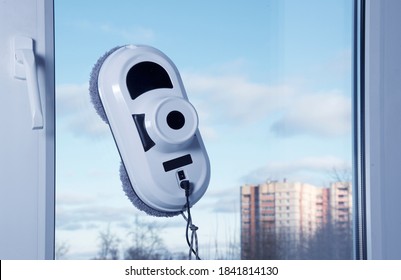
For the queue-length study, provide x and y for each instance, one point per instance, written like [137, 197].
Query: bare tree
[343, 175]
[271, 245]
[146, 242]
[109, 244]
[334, 239]
[61, 250]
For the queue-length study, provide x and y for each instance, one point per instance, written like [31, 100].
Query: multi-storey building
[283, 215]
[341, 204]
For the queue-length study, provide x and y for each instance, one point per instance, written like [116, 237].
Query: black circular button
[175, 120]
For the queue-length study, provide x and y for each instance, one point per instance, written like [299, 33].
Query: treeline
[333, 241]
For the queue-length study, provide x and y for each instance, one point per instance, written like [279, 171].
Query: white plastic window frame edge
[383, 129]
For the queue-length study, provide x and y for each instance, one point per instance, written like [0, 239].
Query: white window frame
[382, 128]
[27, 143]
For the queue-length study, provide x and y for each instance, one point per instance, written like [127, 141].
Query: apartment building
[289, 213]
[341, 204]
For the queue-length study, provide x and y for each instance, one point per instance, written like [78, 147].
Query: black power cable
[185, 184]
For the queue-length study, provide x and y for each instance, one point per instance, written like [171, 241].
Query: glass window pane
[271, 82]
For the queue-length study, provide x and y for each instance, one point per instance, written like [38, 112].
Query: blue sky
[271, 81]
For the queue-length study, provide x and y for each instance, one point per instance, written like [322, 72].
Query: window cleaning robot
[138, 91]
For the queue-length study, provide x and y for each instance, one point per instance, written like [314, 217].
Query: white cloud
[79, 216]
[235, 99]
[302, 169]
[74, 199]
[70, 98]
[228, 100]
[325, 113]
[133, 33]
[222, 200]
[76, 113]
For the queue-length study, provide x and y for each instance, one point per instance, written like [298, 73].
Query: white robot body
[154, 126]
